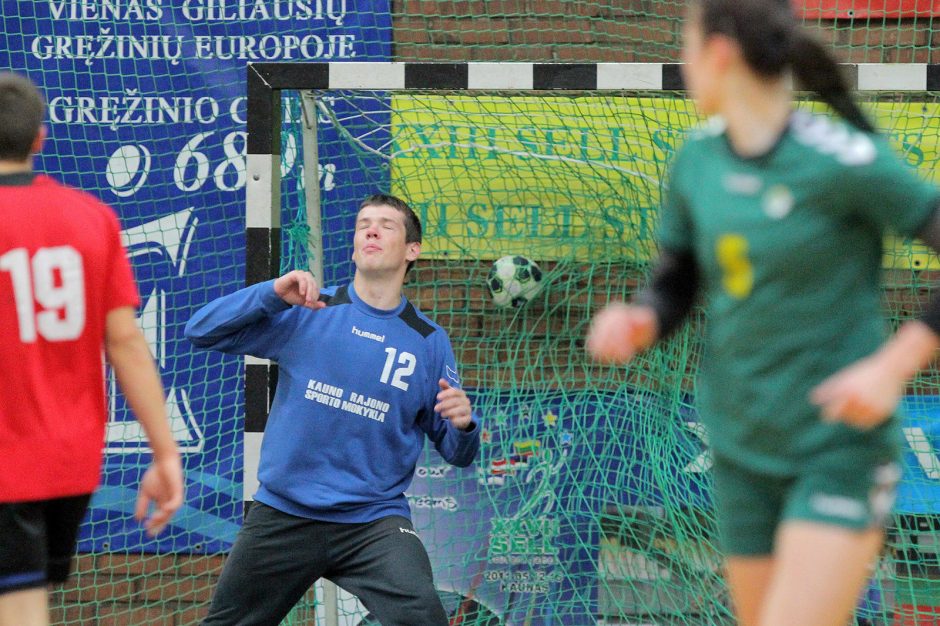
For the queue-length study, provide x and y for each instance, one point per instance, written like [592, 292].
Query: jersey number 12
[55, 279]
[406, 367]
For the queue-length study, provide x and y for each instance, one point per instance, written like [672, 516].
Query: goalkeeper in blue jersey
[777, 217]
[363, 378]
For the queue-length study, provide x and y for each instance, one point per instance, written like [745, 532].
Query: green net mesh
[590, 501]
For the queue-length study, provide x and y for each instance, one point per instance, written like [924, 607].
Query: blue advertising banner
[146, 109]
[529, 535]
[518, 539]
[919, 489]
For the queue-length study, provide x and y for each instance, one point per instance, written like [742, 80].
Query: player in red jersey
[66, 294]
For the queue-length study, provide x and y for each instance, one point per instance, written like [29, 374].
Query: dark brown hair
[772, 42]
[21, 111]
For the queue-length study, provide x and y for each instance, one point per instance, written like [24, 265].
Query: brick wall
[119, 589]
[612, 31]
[488, 340]
[148, 590]
[536, 30]
[171, 590]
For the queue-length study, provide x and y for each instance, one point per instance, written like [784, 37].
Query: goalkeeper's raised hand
[299, 288]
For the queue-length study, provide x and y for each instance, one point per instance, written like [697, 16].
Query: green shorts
[834, 489]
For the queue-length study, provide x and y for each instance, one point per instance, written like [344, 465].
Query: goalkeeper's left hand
[454, 405]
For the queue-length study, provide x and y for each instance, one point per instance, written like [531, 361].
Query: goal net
[591, 499]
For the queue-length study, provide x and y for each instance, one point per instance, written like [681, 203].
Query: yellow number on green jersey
[738, 273]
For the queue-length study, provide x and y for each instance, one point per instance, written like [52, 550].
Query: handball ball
[514, 280]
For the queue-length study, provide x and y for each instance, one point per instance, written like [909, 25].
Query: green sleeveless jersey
[789, 247]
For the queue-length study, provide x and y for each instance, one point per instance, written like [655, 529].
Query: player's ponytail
[772, 42]
[816, 70]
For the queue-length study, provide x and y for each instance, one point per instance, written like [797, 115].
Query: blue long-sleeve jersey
[355, 397]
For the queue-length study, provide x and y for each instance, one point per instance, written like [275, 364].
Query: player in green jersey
[777, 217]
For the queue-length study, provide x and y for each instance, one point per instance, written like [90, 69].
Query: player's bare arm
[129, 356]
[867, 392]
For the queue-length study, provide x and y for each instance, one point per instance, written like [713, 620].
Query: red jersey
[62, 269]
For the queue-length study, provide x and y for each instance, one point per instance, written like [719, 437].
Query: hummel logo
[368, 335]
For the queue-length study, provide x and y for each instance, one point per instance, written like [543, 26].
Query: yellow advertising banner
[569, 177]
[914, 129]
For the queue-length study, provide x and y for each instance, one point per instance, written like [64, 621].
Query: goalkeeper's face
[379, 244]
